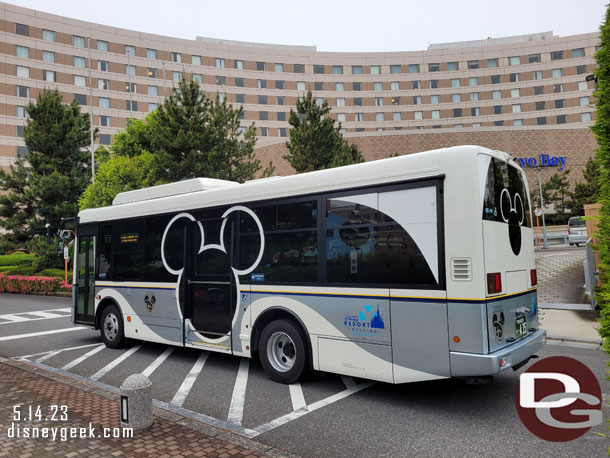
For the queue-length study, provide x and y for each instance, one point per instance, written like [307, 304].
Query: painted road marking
[296, 395]
[42, 333]
[157, 362]
[236, 411]
[80, 359]
[55, 352]
[189, 380]
[108, 367]
[42, 315]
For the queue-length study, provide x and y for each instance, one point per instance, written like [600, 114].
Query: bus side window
[105, 260]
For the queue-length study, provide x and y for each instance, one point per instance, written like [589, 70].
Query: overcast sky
[337, 25]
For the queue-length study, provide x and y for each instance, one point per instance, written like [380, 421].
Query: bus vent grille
[461, 269]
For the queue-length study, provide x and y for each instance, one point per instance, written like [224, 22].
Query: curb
[576, 340]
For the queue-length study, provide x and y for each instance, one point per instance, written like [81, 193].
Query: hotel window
[583, 101]
[131, 70]
[337, 69]
[357, 101]
[557, 88]
[131, 105]
[23, 91]
[177, 76]
[395, 86]
[498, 123]
[279, 84]
[151, 72]
[515, 93]
[20, 111]
[358, 117]
[513, 78]
[496, 95]
[103, 102]
[397, 116]
[378, 101]
[474, 96]
[540, 105]
[580, 69]
[357, 86]
[561, 119]
[339, 87]
[357, 69]
[130, 50]
[105, 139]
[434, 99]
[79, 81]
[300, 85]
[280, 100]
[198, 78]
[452, 66]
[263, 115]
[394, 68]
[22, 29]
[340, 102]
[517, 108]
[475, 111]
[476, 124]
[418, 115]
[515, 60]
[221, 81]
[395, 100]
[48, 56]
[318, 86]
[220, 62]
[433, 84]
[103, 84]
[151, 53]
[541, 121]
[105, 121]
[264, 131]
[458, 126]
[23, 51]
[48, 76]
[417, 100]
[299, 68]
[176, 57]
[557, 55]
[538, 90]
[585, 117]
[413, 68]
[375, 69]
[415, 84]
[281, 116]
[533, 58]
[495, 79]
[240, 98]
[81, 99]
[22, 152]
[492, 63]
[48, 35]
[79, 62]
[557, 73]
[473, 81]
[279, 68]
[130, 87]
[341, 117]
[379, 117]
[436, 114]
[456, 98]
[518, 122]
[260, 66]
[434, 67]
[473, 64]
[455, 82]
[261, 84]
[560, 103]
[152, 106]
[497, 109]
[19, 131]
[282, 131]
[153, 90]
[22, 72]
[262, 99]
[319, 101]
[239, 82]
[578, 52]
[77, 41]
[583, 86]
[377, 86]
[238, 64]
[318, 69]
[102, 45]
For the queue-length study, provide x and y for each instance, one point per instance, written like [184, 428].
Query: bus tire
[282, 351]
[111, 327]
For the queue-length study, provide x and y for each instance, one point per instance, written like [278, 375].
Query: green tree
[558, 189]
[315, 141]
[54, 174]
[587, 191]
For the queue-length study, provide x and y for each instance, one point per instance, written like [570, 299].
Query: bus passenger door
[210, 295]
[84, 298]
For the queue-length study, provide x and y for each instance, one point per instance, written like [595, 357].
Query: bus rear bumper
[472, 365]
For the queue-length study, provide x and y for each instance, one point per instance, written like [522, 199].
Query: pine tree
[587, 191]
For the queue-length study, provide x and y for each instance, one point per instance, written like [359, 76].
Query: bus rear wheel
[111, 328]
[282, 352]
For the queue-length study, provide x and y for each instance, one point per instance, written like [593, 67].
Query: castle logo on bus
[366, 323]
[545, 160]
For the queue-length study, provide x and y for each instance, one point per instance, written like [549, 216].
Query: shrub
[29, 284]
[21, 270]
[16, 259]
[53, 273]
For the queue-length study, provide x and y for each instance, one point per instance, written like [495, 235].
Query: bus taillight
[494, 283]
[534, 277]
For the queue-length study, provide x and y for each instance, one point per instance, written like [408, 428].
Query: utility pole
[544, 245]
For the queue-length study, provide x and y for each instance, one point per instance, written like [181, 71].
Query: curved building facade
[527, 95]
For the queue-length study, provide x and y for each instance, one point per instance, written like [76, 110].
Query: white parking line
[42, 333]
[189, 380]
[44, 353]
[80, 359]
[104, 370]
[157, 362]
[43, 314]
[296, 394]
[236, 411]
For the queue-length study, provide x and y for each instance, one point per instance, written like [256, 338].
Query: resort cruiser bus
[405, 269]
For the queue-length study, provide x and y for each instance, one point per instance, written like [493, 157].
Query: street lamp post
[91, 115]
[544, 245]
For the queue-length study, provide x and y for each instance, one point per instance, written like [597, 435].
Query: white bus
[411, 268]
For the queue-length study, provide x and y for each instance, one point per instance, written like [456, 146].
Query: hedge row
[29, 284]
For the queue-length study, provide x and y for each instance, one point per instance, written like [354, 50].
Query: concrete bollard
[136, 402]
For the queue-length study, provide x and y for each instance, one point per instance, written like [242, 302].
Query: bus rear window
[505, 197]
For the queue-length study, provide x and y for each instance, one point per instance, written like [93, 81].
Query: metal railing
[591, 274]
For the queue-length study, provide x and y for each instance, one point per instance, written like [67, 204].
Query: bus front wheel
[111, 328]
[282, 351]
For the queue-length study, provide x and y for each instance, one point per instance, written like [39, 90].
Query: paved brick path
[560, 279]
[168, 437]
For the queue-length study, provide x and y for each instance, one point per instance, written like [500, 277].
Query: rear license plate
[520, 327]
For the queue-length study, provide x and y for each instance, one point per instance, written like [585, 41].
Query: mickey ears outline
[221, 247]
[511, 206]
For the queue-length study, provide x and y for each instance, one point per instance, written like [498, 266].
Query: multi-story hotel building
[526, 95]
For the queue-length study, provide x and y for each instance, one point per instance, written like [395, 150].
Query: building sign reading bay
[545, 160]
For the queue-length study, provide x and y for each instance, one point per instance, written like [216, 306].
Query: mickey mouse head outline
[514, 207]
[221, 247]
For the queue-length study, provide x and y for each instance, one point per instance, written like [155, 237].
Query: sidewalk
[170, 435]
